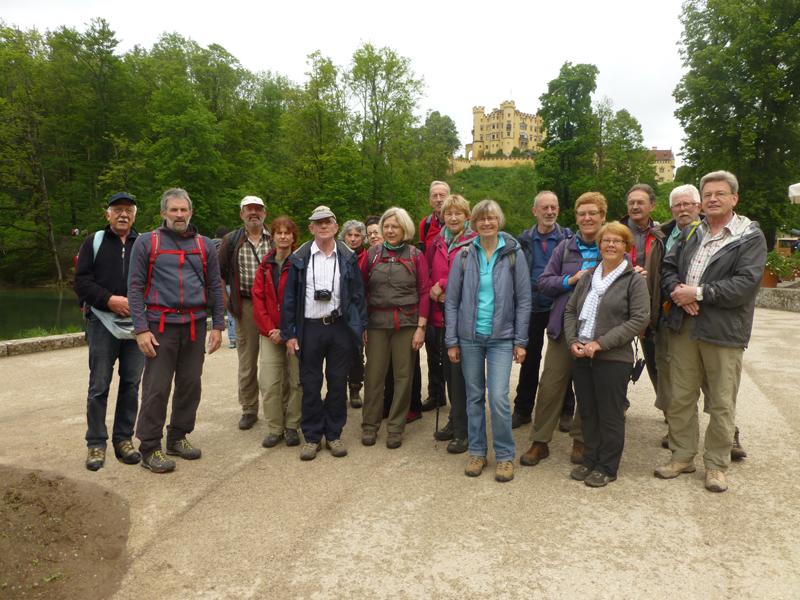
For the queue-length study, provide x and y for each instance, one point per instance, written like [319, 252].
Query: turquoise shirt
[672, 237]
[486, 290]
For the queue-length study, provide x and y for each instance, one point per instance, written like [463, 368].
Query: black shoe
[565, 423]
[518, 420]
[355, 399]
[247, 421]
[445, 433]
[272, 440]
[431, 403]
[125, 452]
[292, 437]
[96, 459]
[458, 446]
[158, 463]
[184, 449]
[737, 452]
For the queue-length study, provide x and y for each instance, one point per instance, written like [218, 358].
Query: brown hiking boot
[715, 480]
[673, 468]
[577, 452]
[475, 466]
[505, 471]
[538, 451]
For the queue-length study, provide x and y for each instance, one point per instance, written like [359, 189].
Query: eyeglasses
[616, 242]
[588, 213]
[118, 210]
[719, 195]
[489, 219]
[684, 205]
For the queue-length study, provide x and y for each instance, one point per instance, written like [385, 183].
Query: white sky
[469, 53]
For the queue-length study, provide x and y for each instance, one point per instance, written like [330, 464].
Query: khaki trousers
[247, 346]
[279, 381]
[384, 345]
[721, 367]
[556, 376]
[663, 358]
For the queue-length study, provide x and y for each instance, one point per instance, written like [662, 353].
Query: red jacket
[441, 258]
[266, 305]
[433, 226]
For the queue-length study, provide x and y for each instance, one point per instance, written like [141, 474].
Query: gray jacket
[512, 297]
[730, 284]
[623, 313]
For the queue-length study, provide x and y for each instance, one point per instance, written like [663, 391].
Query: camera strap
[313, 272]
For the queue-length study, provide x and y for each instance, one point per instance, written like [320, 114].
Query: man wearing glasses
[103, 288]
[711, 276]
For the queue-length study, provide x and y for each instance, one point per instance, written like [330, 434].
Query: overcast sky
[469, 53]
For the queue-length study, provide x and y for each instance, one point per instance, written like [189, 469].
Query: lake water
[26, 308]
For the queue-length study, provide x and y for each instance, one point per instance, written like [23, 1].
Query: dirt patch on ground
[59, 539]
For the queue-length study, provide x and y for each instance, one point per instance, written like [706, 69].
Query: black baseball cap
[121, 196]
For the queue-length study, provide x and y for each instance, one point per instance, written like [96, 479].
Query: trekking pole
[441, 364]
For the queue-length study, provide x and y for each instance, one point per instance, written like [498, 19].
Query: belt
[326, 320]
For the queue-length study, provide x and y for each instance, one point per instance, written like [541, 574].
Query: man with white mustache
[240, 253]
[102, 286]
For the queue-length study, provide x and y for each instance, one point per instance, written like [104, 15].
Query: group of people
[354, 311]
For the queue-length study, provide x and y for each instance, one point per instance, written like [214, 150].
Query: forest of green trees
[79, 121]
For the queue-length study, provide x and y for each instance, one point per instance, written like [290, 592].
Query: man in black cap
[102, 286]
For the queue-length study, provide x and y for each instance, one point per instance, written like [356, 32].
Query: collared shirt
[709, 246]
[676, 232]
[250, 256]
[322, 273]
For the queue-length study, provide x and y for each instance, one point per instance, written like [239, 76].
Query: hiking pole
[441, 365]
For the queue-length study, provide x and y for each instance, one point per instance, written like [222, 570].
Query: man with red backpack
[172, 285]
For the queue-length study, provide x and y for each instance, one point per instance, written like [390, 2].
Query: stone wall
[779, 299]
[41, 344]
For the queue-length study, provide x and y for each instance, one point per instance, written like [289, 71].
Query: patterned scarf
[589, 311]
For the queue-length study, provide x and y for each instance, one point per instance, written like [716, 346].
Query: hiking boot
[665, 442]
[272, 440]
[580, 473]
[96, 458]
[431, 403]
[475, 466]
[673, 468]
[565, 423]
[445, 433]
[368, 437]
[184, 449]
[413, 415]
[247, 421]
[336, 447]
[394, 440]
[577, 453]
[158, 463]
[292, 437]
[737, 452]
[125, 452]
[309, 451]
[458, 446]
[505, 471]
[597, 479]
[715, 480]
[355, 399]
[537, 452]
[518, 420]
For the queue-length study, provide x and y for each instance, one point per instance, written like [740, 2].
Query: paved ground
[246, 522]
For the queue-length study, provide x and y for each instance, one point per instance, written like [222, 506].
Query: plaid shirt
[248, 263]
[708, 247]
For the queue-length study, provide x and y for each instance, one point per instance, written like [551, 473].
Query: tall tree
[566, 165]
[438, 139]
[738, 100]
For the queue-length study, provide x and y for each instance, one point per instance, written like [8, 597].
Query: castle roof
[662, 154]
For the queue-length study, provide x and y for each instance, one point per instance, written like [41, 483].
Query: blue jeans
[231, 326]
[498, 356]
[104, 351]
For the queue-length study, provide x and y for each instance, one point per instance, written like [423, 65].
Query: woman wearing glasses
[487, 309]
[609, 308]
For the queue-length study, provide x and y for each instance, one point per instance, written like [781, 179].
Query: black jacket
[98, 278]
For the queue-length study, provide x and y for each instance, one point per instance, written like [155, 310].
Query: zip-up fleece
[175, 283]
[730, 284]
[441, 261]
[98, 278]
[353, 302]
[622, 314]
[512, 298]
[266, 305]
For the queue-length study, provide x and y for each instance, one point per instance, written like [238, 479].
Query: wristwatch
[698, 295]
[423, 327]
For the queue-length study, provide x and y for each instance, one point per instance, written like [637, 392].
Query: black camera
[638, 367]
[323, 295]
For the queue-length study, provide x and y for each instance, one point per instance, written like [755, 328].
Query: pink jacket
[441, 259]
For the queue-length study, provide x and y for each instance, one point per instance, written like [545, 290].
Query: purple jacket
[441, 260]
[551, 282]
